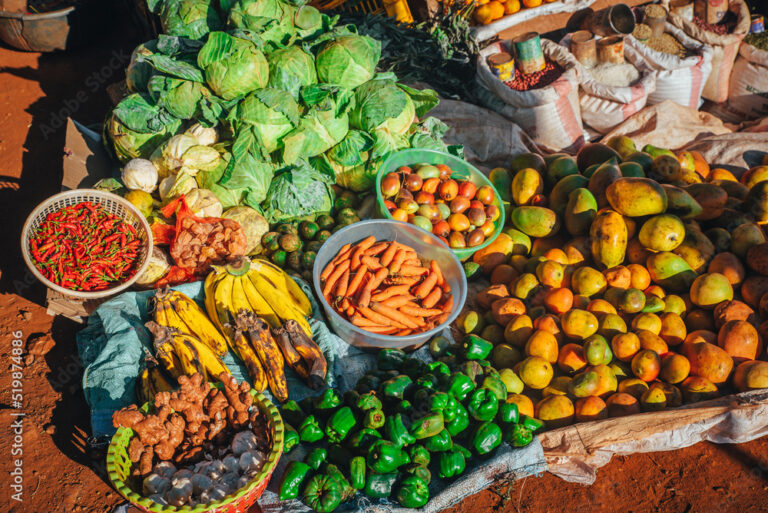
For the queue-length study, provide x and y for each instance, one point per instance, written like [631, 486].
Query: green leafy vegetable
[270, 114]
[137, 125]
[188, 18]
[348, 160]
[233, 66]
[298, 191]
[291, 69]
[348, 60]
[271, 20]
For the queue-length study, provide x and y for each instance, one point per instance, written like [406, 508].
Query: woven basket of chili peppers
[86, 243]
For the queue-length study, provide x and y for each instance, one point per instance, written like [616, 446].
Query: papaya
[756, 202]
[697, 250]
[754, 175]
[711, 198]
[642, 158]
[558, 197]
[680, 203]
[708, 361]
[526, 184]
[595, 153]
[757, 258]
[561, 167]
[655, 151]
[531, 160]
[535, 221]
[710, 289]
[605, 175]
[608, 235]
[636, 197]
[744, 237]
[670, 271]
[501, 180]
[751, 375]
[631, 170]
[664, 232]
[623, 145]
[580, 211]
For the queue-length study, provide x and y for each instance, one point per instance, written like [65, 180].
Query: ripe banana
[252, 363]
[205, 356]
[267, 350]
[188, 356]
[312, 365]
[281, 302]
[222, 299]
[198, 323]
[210, 304]
[258, 302]
[144, 392]
[283, 282]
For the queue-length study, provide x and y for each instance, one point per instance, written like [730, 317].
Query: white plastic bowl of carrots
[386, 284]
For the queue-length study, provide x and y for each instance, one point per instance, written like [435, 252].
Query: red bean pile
[523, 82]
[717, 28]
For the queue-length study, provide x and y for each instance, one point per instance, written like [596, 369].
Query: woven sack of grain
[550, 114]
[604, 106]
[724, 48]
[748, 92]
[678, 79]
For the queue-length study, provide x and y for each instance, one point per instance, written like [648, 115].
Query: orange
[531, 3]
[484, 14]
[511, 6]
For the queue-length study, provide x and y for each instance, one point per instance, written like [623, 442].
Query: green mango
[558, 197]
[501, 180]
[670, 271]
[548, 159]
[524, 160]
[595, 153]
[642, 158]
[563, 166]
[636, 197]
[655, 151]
[744, 237]
[697, 250]
[521, 243]
[622, 144]
[680, 203]
[591, 170]
[580, 211]
[605, 175]
[535, 221]
[631, 170]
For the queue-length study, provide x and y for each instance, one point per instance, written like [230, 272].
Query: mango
[558, 386]
[633, 386]
[708, 361]
[680, 203]
[556, 411]
[674, 368]
[696, 388]
[751, 375]
[754, 175]
[559, 168]
[607, 382]
[591, 170]
[666, 169]
[740, 340]
[670, 271]
[623, 145]
[605, 175]
[642, 158]
[611, 325]
[526, 184]
[525, 286]
[697, 250]
[609, 239]
[495, 253]
[597, 350]
[584, 384]
[744, 237]
[730, 219]
[580, 211]
[579, 324]
[662, 233]
[571, 358]
[636, 197]
[595, 153]
[735, 190]
[673, 395]
[711, 198]
[655, 151]
[558, 196]
[524, 160]
[590, 408]
[757, 258]
[501, 179]
[720, 238]
[631, 170]
[621, 404]
[512, 381]
[578, 251]
[550, 158]
[653, 399]
[505, 356]
[535, 221]
[587, 281]
[757, 202]
[521, 243]
[710, 289]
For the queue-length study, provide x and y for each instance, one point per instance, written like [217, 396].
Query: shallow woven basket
[119, 469]
[113, 204]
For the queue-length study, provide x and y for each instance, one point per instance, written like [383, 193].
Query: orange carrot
[442, 318]
[389, 254]
[394, 267]
[379, 319]
[376, 249]
[396, 315]
[333, 278]
[327, 271]
[397, 301]
[373, 283]
[355, 283]
[362, 322]
[401, 280]
[412, 261]
[343, 253]
[372, 262]
[394, 290]
[433, 297]
[426, 286]
[344, 305]
[381, 330]
[413, 270]
[448, 305]
[420, 312]
[435, 267]
[356, 254]
[368, 277]
[343, 283]
[350, 311]
[403, 333]
[366, 242]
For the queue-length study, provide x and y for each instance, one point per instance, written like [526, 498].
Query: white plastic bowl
[426, 245]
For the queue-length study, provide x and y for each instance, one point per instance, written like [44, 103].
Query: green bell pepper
[483, 405]
[451, 408]
[357, 472]
[322, 494]
[362, 439]
[405, 407]
[421, 401]
[439, 369]
[295, 474]
[291, 438]
[508, 413]
[486, 438]
[413, 492]
[427, 381]
[397, 387]
[466, 452]
[452, 463]
[451, 360]
[385, 456]
[338, 455]
[427, 426]
[369, 401]
[439, 346]
[373, 419]
[518, 435]
[292, 413]
[340, 423]
[328, 400]
[310, 430]
[460, 421]
[367, 383]
[413, 368]
[531, 423]
[440, 442]
[473, 370]
[379, 486]
[390, 359]
[396, 431]
[419, 471]
[460, 386]
[476, 348]
[347, 491]
[316, 457]
[494, 383]
[419, 455]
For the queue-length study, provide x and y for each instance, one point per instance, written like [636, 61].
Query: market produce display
[632, 283]
[406, 421]
[384, 287]
[84, 247]
[197, 444]
[442, 202]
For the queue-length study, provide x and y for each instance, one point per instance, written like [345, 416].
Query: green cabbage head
[272, 20]
[137, 125]
[233, 67]
[348, 61]
[271, 113]
[290, 69]
[381, 104]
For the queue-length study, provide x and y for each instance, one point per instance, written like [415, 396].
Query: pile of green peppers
[403, 422]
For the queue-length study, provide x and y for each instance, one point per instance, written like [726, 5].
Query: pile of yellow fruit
[488, 11]
[626, 281]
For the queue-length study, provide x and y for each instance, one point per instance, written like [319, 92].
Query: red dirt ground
[37, 92]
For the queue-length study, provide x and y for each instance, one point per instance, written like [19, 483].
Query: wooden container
[502, 65]
[584, 48]
[610, 50]
[528, 53]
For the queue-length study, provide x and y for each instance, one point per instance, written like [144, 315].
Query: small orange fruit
[511, 6]
[531, 3]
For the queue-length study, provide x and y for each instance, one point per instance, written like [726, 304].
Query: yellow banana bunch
[175, 310]
[285, 296]
[282, 282]
[184, 354]
[151, 381]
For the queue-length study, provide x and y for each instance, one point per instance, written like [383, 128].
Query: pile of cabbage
[265, 103]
